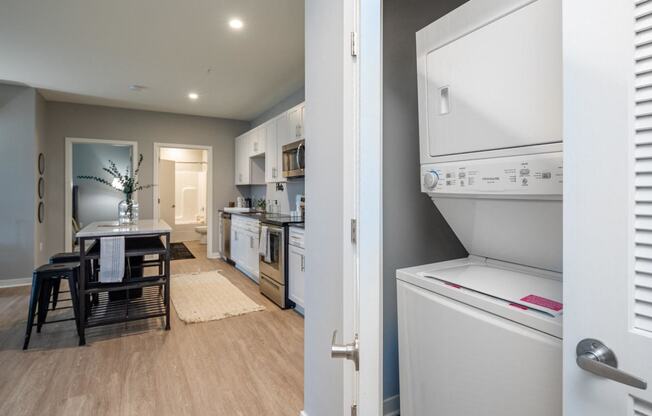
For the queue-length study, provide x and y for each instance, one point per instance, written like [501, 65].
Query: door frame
[68, 180]
[368, 120]
[209, 188]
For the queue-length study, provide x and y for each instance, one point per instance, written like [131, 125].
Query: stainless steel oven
[294, 159]
[273, 277]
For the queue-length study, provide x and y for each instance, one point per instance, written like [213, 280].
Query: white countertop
[111, 228]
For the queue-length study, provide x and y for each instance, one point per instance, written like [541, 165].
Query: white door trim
[209, 191]
[68, 181]
[370, 218]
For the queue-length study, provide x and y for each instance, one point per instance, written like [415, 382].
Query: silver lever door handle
[595, 357]
[347, 351]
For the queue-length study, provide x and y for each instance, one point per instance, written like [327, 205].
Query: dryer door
[490, 77]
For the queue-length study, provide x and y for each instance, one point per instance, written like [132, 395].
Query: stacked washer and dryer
[482, 335]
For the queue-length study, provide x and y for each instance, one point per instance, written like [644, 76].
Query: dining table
[144, 290]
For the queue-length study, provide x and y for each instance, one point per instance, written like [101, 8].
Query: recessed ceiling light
[137, 87]
[193, 95]
[236, 24]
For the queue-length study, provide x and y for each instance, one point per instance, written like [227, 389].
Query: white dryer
[483, 335]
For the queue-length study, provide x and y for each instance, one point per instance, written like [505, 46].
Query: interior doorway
[183, 195]
[88, 201]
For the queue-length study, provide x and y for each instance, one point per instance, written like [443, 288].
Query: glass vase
[128, 212]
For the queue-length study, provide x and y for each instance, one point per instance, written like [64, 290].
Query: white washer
[483, 335]
[467, 345]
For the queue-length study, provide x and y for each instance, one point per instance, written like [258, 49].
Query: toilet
[202, 230]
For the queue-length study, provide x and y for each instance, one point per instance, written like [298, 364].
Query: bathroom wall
[190, 183]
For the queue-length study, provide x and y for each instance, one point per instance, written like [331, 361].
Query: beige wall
[145, 127]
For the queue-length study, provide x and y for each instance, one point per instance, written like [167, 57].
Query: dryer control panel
[536, 174]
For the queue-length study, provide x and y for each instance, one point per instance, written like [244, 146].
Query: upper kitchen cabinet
[276, 131]
[242, 161]
[258, 138]
[259, 152]
[271, 156]
[295, 124]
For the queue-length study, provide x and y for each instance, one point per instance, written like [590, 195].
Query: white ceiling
[90, 51]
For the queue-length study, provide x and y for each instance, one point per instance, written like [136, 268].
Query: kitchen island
[137, 296]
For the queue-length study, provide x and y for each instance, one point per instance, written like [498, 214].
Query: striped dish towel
[112, 259]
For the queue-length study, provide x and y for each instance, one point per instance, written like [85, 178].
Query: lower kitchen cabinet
[296, 271]
[245, 239]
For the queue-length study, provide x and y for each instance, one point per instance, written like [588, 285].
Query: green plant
[127, 183]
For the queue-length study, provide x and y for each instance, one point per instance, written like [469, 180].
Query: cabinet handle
[273, 172]
[251, 242]
[303, 263]
[236, 236]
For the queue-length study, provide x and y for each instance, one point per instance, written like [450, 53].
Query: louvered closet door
[608, 200]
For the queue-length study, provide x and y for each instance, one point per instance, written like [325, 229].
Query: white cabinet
[245, 238]
[271, 154]
[236, 244]
[257, 142]
[295, 124]
[259, 152]
[275, 132]
[242, 161]
[296, 268]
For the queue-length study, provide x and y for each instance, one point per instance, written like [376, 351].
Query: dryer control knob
[430, 179]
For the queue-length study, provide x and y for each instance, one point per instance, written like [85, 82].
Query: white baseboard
[215, 255]
[23, 281]
[392, 406]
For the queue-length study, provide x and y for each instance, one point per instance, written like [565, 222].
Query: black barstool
[70, 257]
[43, 279]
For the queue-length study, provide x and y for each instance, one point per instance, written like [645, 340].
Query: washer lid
[528, 296]
[517, 288]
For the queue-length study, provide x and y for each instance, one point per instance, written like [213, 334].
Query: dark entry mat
[179, 251]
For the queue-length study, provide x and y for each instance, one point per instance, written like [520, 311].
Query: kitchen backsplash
[285, 198]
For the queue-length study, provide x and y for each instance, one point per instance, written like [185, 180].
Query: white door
[607, 207]
[166, 184]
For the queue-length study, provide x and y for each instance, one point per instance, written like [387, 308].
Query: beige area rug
[208, 296]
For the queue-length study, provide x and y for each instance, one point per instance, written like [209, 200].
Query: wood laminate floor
[248, 365]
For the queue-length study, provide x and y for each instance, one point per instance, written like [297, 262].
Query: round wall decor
[41, 163]
[41, 187]
[41, 212]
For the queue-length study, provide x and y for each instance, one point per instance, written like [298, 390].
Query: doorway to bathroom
[183, 195]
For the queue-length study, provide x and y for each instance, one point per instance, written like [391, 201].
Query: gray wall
[288, 102]
[97, 202]
[146, 127]
[414, 231]
[18, 174]
[324, 163]
[41, 257]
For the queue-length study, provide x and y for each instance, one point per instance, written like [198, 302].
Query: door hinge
[354, 231]
[354, 44]
[354, 410]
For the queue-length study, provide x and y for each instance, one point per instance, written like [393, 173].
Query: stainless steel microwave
[294, 159]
